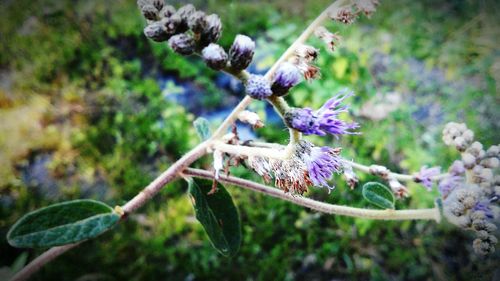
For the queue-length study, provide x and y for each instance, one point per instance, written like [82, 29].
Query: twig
[138, 201]
[400, 177]
[418, 214]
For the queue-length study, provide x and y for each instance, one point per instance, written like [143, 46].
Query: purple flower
[321, 163]
[258, 87]
[322, 121]
[484, 206]
[287, 76]
[425, 176]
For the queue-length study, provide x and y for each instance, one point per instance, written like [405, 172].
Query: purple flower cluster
[322, 121]
[425, 176]
[321, 163]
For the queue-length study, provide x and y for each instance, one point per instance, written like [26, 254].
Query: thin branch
[400, 177]
[249, 151]
[135, 203]
[418, 214]
[41, 260]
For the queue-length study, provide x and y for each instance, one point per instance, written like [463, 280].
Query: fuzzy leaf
[379, 195]
[202, 127]
[62, 223]
[218, 215]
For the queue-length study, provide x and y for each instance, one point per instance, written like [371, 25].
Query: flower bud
[185, 13]
[149, 12]
[241, 52]
[214, 56]
[158, 4]
[493, 151]
[156, 32]
[258, 87]
[397, 188]
[171, 24]
[197, 21]
[287, 76]
[182, 44]
[251, 118]
[212, 31]
[469, 160]
[167, 11]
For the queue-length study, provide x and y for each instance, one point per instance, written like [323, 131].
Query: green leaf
[202, 127]
[379, 195]
[62, 223]
[218, 215]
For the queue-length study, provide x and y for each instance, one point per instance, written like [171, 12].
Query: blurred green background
[90, 108]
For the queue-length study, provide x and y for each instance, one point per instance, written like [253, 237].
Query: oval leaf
[379, 195]
[62, 223]
[218, 215]
[202, 127]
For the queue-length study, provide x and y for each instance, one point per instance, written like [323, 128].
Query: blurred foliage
[83, 115]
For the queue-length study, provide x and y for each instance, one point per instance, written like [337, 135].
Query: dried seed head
[241, 52]
[344, 16]
[331, 39]
[307, 53]
[182, 44]
[214, 56]
[368, 7]
[258, 87]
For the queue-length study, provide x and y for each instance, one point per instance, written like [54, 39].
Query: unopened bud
[258, 87]
[149, 12]
[241, 52]
[156, 32]
[397, 188]
[214, 56]
[167, 11]
[182, 44]
[185, 13]
[212, 31]
[197, 21]
[287, 76]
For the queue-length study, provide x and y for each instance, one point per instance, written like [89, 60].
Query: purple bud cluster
[186, 29]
